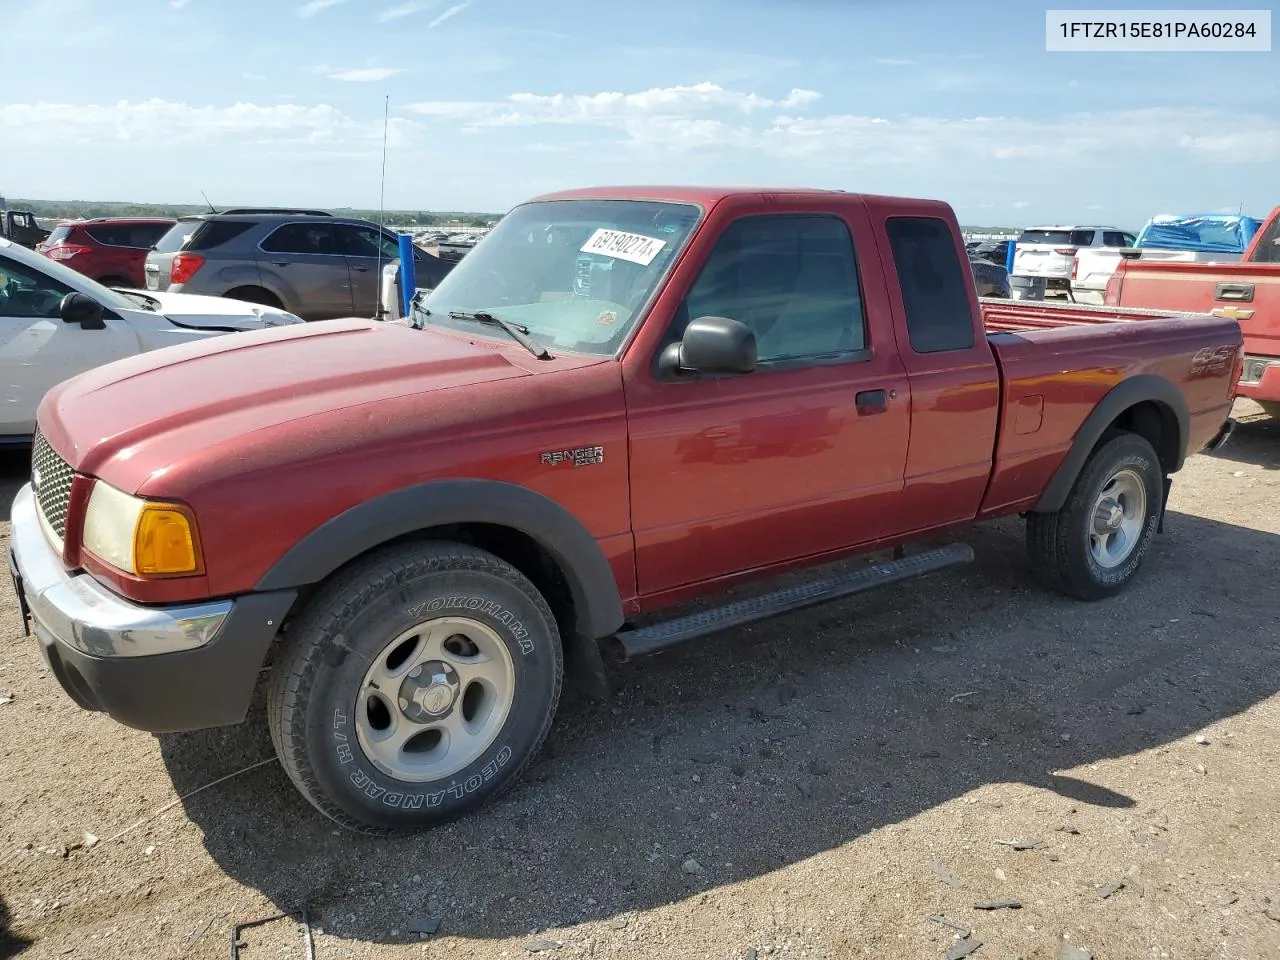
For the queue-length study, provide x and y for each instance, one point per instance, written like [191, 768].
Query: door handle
[360, 269]
[1239, 292]
[279, 263]
[871, 402]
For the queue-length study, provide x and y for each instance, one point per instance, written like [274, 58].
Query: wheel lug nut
[404, 704]
[415, 672]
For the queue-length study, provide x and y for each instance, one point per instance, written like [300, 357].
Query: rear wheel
[258, 295]
[416, 686]
[1094, 545]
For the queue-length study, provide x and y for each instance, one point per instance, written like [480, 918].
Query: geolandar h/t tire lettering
[1094, 545]
[416, 686]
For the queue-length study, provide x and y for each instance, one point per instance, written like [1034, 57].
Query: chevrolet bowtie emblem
[1231, 313]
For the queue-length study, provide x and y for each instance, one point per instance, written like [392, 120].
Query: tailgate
[1246, 292]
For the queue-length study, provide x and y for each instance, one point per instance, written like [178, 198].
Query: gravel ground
[817, 786]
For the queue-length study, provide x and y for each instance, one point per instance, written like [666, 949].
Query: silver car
[307, 262]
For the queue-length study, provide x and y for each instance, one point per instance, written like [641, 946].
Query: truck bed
[1058, 361]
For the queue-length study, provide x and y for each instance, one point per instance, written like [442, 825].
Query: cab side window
[935, 289]
[793, 279]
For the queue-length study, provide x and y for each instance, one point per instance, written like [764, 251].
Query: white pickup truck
[56, 323]
[1203, 238]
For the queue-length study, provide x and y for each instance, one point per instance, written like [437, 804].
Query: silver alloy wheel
[434, 699]
[1118, 516]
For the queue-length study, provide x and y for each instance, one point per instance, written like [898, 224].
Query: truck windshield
[574, 273]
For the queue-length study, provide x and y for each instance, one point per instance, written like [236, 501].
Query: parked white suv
[56, 323]
[1050, 252]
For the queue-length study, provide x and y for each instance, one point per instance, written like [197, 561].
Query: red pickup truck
[621, 400]
[1247, 291]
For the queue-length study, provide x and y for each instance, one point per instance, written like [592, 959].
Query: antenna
[206, 200]
[382, 196]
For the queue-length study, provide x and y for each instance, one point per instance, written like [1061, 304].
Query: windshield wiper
[518, 333]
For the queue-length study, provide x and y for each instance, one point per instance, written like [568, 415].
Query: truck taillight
[184, 267]
[65, 251]
[1075, 267]
[1065, 251]
[1237, 372]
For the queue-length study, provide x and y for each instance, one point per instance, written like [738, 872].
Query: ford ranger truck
[622, 400]
[1247, 291]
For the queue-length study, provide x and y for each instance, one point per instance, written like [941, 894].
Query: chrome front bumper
[76, 610]
[156, 668]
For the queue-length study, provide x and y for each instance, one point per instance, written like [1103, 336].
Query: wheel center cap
[1115, 516]
[429, 692]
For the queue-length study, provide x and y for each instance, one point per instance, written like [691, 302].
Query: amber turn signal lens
[164, 542]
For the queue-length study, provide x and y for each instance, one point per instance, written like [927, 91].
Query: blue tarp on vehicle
[1201, 232]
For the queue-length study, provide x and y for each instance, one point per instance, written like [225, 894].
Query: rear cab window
[934, 284]
[1266, 247]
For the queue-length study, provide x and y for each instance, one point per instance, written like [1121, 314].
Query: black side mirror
[82, 309]
[711, 345]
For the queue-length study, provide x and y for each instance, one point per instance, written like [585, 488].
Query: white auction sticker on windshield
[634, 247]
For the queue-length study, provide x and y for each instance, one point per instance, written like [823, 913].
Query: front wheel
[1092, 547]
[415, 687]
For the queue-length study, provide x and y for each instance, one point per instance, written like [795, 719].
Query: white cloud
[1021, 204]
[166, 122]
[658, 107]
[253, 76]
[178, 4]
[892, 62]
[453, 11]
[405, 10]
[312, 7]
[364, 74]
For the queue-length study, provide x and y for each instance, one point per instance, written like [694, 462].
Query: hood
[194, 310]
[150, 410]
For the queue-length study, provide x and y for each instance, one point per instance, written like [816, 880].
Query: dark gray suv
[308, 262]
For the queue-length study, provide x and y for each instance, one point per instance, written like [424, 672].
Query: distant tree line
[82, 209]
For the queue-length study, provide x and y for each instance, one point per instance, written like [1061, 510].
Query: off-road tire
[314, 682]
[1058, 543]
[264, 298]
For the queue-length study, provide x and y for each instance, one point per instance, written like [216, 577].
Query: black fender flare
[1128, 393]
[597, 605]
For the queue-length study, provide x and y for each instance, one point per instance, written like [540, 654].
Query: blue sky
[281, 101]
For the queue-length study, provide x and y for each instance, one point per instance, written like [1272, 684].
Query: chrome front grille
[51, 478]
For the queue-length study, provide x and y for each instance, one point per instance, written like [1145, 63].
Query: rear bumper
[1261, 378]
[156, 668]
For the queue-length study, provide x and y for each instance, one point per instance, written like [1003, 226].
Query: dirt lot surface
[818, 786]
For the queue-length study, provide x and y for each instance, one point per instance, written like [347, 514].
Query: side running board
[668, 633]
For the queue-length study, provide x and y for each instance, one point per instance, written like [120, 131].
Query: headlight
[142, 537]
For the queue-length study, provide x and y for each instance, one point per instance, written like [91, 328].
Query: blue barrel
[1008, 260]
[408, 282]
